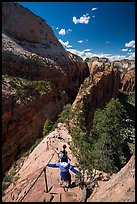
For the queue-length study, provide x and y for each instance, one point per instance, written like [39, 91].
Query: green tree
[47, 127]
[64, 116]
[103, 147]
[108, 137]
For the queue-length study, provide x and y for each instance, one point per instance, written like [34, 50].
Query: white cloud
[125, 50]
[131, 56]
[65, 44]
[131, 53]
[62, 32]
[117, 57]
[82, 19]
[80, 41]
[93, 9]
[87, 50]
[130, 44]
[93, 16]
[77, 52]
[86, 53]
[57, 28]
[130, 50]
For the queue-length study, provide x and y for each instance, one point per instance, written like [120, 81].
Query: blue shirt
[64, 169]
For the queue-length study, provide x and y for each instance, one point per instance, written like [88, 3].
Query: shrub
[42, 87]
[64, 116]
[47, 127]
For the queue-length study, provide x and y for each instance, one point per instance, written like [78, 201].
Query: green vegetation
[36, 61]
[33, 88]
[27, 88]
[64, 116]
[9, 178]
[109, 139]
[128, 101]
[103, 147]
[42, 87]
[85, 86]
[48, 125]
[131, 98]
[6, 182]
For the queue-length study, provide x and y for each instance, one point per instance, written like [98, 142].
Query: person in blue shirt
[64, 170]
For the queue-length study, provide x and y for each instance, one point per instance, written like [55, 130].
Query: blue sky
[103, 29]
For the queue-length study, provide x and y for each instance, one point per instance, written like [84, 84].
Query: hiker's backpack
[63, 156]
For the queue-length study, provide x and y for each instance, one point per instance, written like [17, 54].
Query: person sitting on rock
[64, 171]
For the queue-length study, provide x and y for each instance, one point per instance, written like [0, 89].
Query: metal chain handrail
[37, 178]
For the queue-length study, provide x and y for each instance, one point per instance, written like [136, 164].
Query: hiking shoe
[61, 183]
[67, 184]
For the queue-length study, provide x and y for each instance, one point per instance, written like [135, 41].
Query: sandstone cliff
[26, 36]
[39, 78]
[125, 66]
[120, 188]
[128, 81]
[97, 90]
[105, 80]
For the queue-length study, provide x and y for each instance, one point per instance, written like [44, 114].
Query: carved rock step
[59, 195]
[69, 197]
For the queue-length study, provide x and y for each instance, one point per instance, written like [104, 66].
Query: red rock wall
[128, 81]
[105, 86]
[32, 51]
[23, 124]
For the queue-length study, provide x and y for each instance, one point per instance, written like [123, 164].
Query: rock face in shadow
[96, 91]
[105, 80]
[39, 78]
[120, 188]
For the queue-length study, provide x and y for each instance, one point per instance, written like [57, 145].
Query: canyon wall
[128, 81]
[96, 91]
[105, 80]
[38, 78]
[125, 66]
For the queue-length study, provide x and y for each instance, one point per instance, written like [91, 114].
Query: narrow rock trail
[35, 164]
[121, 187]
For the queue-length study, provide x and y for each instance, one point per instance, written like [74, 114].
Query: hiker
[64, 171]
[63, 155]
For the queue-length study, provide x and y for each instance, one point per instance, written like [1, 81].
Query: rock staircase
[56, 193]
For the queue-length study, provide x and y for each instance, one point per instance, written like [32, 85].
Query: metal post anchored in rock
[47, 145]
[46, 185]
